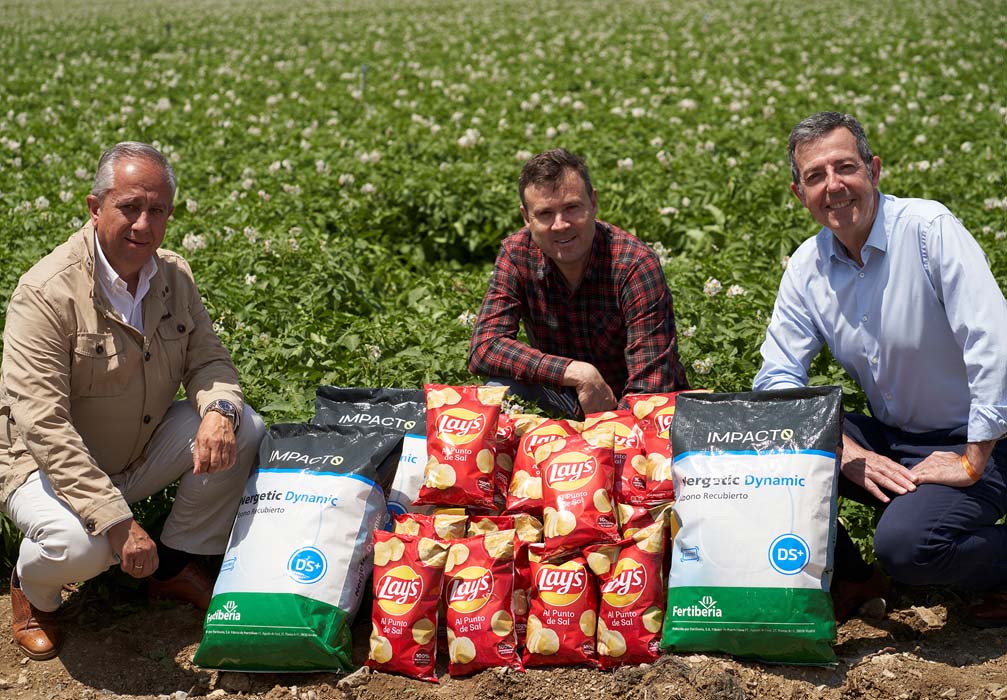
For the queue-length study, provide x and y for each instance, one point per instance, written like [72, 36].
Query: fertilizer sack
[755, 476]
[398, 411]
[300, 552]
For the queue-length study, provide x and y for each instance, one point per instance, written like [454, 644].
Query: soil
[120, 646]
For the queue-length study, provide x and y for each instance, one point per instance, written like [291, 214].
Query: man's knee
[909, 553]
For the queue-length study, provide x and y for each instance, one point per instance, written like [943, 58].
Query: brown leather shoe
[991, 612]
[850, 597]
[35, 632]
[190, 585]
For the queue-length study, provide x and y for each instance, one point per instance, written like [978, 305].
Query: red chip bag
[522, 586]
[461, 439]
[407, 584]
[439, 526]
[632, 590]
[562, 619]
[524, 494]
[577, 482]
[654, 413]
[629, 456]
[478, 590]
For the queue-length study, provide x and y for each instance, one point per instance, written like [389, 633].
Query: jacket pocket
[174, 332]
[99, 365]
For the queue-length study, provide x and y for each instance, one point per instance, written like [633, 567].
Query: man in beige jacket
[99, 335]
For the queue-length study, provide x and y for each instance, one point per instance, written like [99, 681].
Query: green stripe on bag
[789, 625]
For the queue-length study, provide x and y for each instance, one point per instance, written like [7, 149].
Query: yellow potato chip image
[500, 545]
[435, 398]
[461, 650]
[543, 641]
[449, 526]
[501, 623]
[588, 623]
[451, 397]
[382, 553]
[505, 462]
[528, 527]
[433, 552]
[641, 465]
[642, 409]
[457, 555]
[653, 618]
[566, 522]
[602, 502]
[491, 395]
[600, 562]
[485, 461]
[440, 476]
[395, 548]
[423, 631]
[381, 650]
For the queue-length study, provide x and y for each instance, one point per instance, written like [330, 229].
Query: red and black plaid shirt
[620, 319]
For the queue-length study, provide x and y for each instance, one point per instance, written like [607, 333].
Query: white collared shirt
[921, 327]
[128, 308]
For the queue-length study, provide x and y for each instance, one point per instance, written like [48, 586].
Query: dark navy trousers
[936, 534]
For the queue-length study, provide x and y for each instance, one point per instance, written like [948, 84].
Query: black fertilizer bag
[755, 479]
[401, 412]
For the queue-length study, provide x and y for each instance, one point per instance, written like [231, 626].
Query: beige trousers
[57, 549]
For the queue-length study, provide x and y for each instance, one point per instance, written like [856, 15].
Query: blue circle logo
[307, 565]
[789, 554]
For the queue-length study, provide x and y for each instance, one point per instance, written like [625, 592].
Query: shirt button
[874, 360]
[864, 318]
[888, 396]
[90, 526]
[861, 275]
[146, 356]
[99, 349]
[181, 328]
[146, 419]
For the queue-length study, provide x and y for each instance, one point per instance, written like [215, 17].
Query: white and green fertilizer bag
[755, 485]
[300, 552]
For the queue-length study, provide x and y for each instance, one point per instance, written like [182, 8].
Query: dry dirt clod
[930, 616]
[1000, 693]
[949, 693]
[218, 693]
[234, 682]
[355, 679]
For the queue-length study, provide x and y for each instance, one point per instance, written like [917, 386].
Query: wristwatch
[226, 409]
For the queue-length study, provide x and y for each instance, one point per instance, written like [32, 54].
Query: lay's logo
[561, 585]
[626, 585]
[570, 471]
[460, 425]
[469, 589]
[626, 438]
[662, 421]
[398, 590]
[542, 436]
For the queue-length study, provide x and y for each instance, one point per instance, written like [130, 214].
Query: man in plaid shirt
[595, 305]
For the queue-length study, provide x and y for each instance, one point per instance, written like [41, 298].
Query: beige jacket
[81, 392]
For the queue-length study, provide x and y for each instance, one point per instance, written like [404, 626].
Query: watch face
[227, 406]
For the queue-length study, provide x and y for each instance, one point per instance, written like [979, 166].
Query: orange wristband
[969, 469]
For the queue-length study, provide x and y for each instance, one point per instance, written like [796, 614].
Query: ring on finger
[137, 566]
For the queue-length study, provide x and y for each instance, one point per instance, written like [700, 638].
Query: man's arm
[37, 358]
[495, 350]
[977, 314]
[651, 341]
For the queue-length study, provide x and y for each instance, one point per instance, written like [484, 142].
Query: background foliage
[347, 169]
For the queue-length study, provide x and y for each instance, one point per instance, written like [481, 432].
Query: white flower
[703, 366]
[712, 287]
[735, 290]
[346, 179]
[667, 211]
[192, 206]
[264, 196]
[293, 190]
[688, 332]
[624, 164]
[920, 139]
[247, 184]
[41, 202]
[1000, 235]
[469, 139]
[274, 167]
[321, 167]
[966, 147]
[373, 352]
[784, 261]
[467, 319]
[193, 242]
[586, 126]
[163, 105]
[82, 174]
[65, 196]
[522, 156]
[687, 104]
[368, 188]
[656, 142]
[249, 280]
[638, 112]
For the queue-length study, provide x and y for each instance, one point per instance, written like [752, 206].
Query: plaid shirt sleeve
[651, 339]
[495, 350]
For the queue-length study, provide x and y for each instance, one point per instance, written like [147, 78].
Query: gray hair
[104, 178]
[820, 125]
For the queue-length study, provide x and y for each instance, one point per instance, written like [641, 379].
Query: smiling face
[561, 221]
[838, 188]
[131, 218]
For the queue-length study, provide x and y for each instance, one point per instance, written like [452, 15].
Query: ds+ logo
[307, 565]
[789, 554]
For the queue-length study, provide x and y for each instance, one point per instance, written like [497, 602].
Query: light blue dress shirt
[921, 327]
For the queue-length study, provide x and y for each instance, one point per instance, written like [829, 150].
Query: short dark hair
[547, 169]
[820, 125]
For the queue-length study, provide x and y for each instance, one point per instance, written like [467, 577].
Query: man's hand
[215, 449]
[874, 472]
[592, 391]
[946, 467]
[137, 552]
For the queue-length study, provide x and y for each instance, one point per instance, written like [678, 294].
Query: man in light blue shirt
[905, 300]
